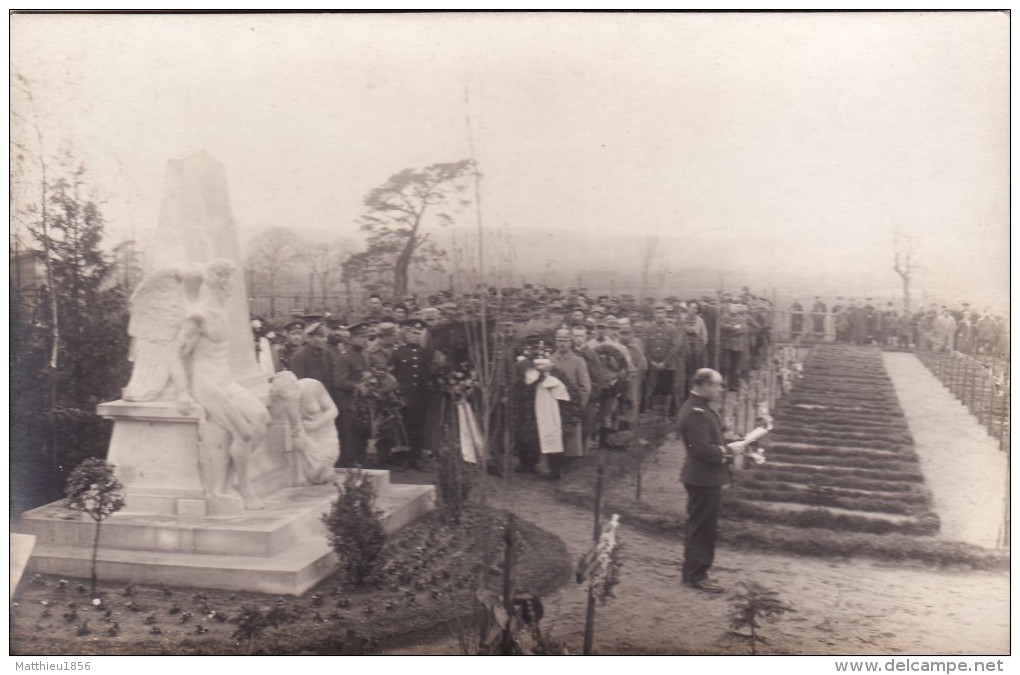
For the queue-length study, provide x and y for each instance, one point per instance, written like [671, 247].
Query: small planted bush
[354, 527]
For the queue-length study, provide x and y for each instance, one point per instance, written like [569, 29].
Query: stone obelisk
[170, 531]
[196, 225]
[154, 445]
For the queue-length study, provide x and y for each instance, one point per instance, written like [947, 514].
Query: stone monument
[225, 478]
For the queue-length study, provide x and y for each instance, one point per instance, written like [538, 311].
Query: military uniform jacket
[284, 353]
[317, 364]
[575, 370]
[380, 356]
[662, 344]
[707, 462]
[735, 333]
[411, 365]
[350, 370]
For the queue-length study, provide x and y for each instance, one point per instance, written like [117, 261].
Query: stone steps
[281, 549]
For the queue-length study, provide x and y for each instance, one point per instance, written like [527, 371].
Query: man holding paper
[706, 469]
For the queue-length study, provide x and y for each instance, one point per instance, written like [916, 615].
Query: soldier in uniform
[374, 312]
[818, 311]
[695, 344]
[662, 342]
[705, 471]
[839, 319]
[350, 382]
[294, 334]
[873, 321]
[411, 365]
[857, 321]
[732, 353]
[574, 370]
[888, 325]
[636, 350]
[382, 348]
[589, 425]
[316, 360]
[338, 336]
[987, 333]
[796, 320]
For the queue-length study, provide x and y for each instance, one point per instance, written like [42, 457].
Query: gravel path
[962, 464]
[855, 607]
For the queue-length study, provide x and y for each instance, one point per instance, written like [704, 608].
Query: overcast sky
[764, 143]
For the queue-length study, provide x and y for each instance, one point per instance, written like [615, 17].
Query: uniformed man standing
[840, 322]
[818, 318]
[636, 350]
[350, 382]
[796, 320]
[661, 344]
[316, 360]
[589, 424]
[574, 370]
[294, 332]
[734, 346]
[705, 471]
[411, 365]
[695, 344]
[381, 350]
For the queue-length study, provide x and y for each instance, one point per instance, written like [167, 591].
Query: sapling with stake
[93, 488]
[754, 604]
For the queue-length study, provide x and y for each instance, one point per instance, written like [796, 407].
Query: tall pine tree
[54, 432]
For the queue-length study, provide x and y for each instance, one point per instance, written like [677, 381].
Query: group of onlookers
[937, 327]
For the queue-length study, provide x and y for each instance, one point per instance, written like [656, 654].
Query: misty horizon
[775, 150]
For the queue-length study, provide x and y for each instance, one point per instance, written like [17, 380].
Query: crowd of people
[566, 369]
[937, 327]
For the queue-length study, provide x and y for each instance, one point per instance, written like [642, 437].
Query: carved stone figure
[157, 313]
[314, 444]
[181, 349]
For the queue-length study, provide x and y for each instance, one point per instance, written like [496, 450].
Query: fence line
[981, 382]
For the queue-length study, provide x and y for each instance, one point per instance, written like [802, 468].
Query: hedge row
[876, 439]
[738, 509]
[911, 474]
[844, 461]
[821, 423]
[906, 504]
[815, 477]
[837, 452]
[806, 541]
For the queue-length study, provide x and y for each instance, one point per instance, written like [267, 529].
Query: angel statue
[181, 350]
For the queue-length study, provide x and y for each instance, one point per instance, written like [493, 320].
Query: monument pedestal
[155, 449]
[281, 549]
[170, 530]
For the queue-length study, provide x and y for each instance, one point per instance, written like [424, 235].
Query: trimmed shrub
[354, 527]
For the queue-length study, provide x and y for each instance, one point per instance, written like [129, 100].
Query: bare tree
[324, 262]
[904, 262]
[271, 254]
[19, 150]
[649, 252]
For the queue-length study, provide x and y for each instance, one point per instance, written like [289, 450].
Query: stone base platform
[281, 549]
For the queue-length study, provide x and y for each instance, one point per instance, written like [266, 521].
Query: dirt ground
[855, 607]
